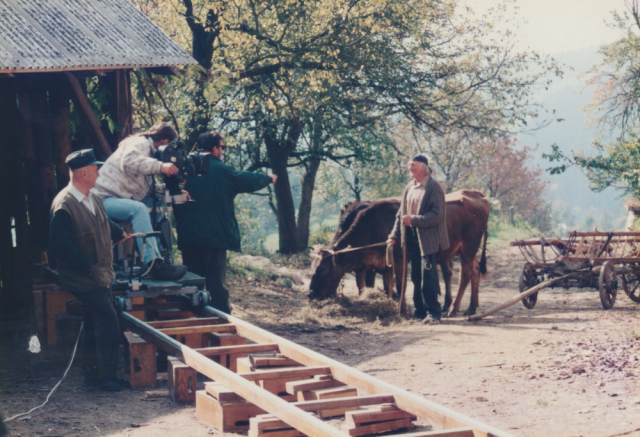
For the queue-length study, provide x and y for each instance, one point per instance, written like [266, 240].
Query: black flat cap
[81, 158]
[420, 158]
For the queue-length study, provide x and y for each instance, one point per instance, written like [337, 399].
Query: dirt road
[565, 368]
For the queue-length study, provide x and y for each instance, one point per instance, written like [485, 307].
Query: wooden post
[142, 368]
[81, 104]
[183, 381]
[60, 103]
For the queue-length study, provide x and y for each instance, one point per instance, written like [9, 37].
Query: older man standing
[81, 238]
[422, 220]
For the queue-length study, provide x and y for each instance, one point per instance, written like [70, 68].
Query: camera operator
[207, 228]
[124, 185]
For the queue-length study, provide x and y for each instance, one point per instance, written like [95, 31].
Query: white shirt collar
[76, 193]
[84, 200]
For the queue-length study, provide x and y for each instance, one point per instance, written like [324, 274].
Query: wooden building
[48, 50]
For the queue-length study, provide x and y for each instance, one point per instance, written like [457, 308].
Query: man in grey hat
[81, 238]
[422, 221]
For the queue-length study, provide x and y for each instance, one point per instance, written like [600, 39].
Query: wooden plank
[246, 348]
[294, 387]
[225, 417]
[377, 428]
[358, 417]
[272, 361]
[161, 324]
[227, 327]
[454, 432]
[353, 401]
[330, 393]
[265, 375]
[441, 416]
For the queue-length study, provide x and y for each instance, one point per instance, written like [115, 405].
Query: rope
[73, 355]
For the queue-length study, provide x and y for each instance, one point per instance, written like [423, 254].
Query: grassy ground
[501, 232]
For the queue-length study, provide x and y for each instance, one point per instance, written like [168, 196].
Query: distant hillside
[571, 188]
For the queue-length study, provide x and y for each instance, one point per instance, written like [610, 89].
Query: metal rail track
[296, 414]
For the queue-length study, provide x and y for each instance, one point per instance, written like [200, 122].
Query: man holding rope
[422, 224]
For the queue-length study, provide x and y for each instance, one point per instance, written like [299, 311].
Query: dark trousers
[424, 277]
[100, 336]
[212, 265]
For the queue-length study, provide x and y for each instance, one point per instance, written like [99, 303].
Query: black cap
[81, 158]
[420, 158]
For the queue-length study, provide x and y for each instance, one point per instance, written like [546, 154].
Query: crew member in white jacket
[125, 181]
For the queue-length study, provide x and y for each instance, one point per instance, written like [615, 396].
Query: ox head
[327, 273]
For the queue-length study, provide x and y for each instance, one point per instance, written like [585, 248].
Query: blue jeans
[123, 210]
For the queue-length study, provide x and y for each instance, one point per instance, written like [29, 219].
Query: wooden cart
[585, 260]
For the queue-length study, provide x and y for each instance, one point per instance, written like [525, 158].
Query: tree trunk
[306, 200]
[279, 149]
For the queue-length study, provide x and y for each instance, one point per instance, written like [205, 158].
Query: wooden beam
[264, 375]
[351, 401]
[441, 416]
[237, 349]
[81, 103]
[199, 329]
[194, 321]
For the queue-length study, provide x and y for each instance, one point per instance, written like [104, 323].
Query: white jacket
[129, 171]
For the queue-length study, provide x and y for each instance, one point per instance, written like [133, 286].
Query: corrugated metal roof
[54, 35]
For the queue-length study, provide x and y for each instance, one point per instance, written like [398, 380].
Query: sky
[558, 26]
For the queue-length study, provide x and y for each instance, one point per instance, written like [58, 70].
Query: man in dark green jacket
[207, 228]
[81, 236]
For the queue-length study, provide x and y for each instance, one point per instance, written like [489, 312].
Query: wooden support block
[222, 394]
[137, 314]
[329, 393]
[294, 387]
[182, 381]
[266, 425]
[359, 417]
[225, 417]
[452, 432]
[54, 302]
[194, 341]
[258, 361]
[377, 428]
[222, 339]
[142, 371]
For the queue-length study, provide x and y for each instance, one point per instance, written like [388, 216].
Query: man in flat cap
[81, 238]
[421, 220]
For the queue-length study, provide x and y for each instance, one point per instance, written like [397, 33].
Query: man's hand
[391, 242]
[124, 237]
[406, 220]
[188, 196]
[274, 178]
[168, 169]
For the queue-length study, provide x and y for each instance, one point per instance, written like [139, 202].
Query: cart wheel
[528, 278]
[631, 285]
[608, 285]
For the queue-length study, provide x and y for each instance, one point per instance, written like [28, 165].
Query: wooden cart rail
[370, 390]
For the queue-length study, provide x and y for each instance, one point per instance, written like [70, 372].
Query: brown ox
[467, 216]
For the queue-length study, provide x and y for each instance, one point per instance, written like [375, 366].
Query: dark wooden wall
[35, 139]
